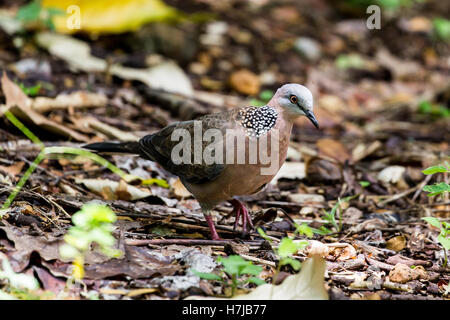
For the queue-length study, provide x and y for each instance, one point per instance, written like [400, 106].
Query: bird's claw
[242, 213]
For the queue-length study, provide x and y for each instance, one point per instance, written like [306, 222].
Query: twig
[186, 242]
[258, 260]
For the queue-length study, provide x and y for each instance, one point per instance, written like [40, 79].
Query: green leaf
[251, 269]
[263, 234]
[29, 12]
[236, 265]
[435, 169]
[346, 61]
[433, 221]
[444, 241]
[442, 28]
[364, 183]
[295, 264]
[266, 95]
[256, 281]
[30, 91]
[206, 275]
[288, 247]
[305, 229]
[257, 103]
[436, 189]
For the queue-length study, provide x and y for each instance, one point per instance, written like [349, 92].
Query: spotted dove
[212, 182]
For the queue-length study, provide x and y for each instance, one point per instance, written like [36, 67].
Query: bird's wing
[158, 147]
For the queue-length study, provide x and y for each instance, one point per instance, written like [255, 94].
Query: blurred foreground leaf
[113, 16]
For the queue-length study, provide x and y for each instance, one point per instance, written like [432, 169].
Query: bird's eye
[293, 99]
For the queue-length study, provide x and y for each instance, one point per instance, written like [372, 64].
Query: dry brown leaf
[245, 81]
[106, 129]
[20, 105]
[397, 243]
[112, 190]
[79, 99]
[333, 149]
[343, 253]
[402, 273]
[179, 190]
[14, 169]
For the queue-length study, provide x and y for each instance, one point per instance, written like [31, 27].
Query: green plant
[30, 91]
[330, 216]
[441, 28]
[444, 235]
[288, 247]
[234, 267]
[34, 13]
[92, 224]
[434, 110]
[437, 188]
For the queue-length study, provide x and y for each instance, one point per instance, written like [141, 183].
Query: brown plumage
[212, 183]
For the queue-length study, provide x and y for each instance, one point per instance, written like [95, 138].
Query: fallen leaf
[321, 170]
[166, 76]
[306, 285]
[106, 129]
[397, 243]
[245, 82]
[14, 169]
[290, 170]
[179, 190]
[79, 99]
[20, 105]
[333, 149]
[342, 253]
[114, 189]
[113, 16]
[402, 273]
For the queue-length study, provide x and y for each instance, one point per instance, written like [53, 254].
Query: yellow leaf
[107, 16]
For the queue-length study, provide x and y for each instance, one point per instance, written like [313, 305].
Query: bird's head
[296, 100]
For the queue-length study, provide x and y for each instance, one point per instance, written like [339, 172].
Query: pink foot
[212, 228]
[241, 212]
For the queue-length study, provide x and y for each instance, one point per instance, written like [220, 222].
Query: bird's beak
[312, 117]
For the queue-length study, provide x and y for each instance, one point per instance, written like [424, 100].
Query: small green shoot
[436, 111]
[347, 61]
[437, 188]
[287, 248]
[235, 267]
[331, 215]
[30, 91]
[19, 125]
[444, 235]
[364, 183]
[93, 223]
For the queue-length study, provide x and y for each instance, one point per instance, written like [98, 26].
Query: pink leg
[212, 228]
[241, 212]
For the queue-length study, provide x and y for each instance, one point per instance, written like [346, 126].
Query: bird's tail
[114, 147]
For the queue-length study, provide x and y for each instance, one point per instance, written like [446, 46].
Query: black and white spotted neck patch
[257, 121]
